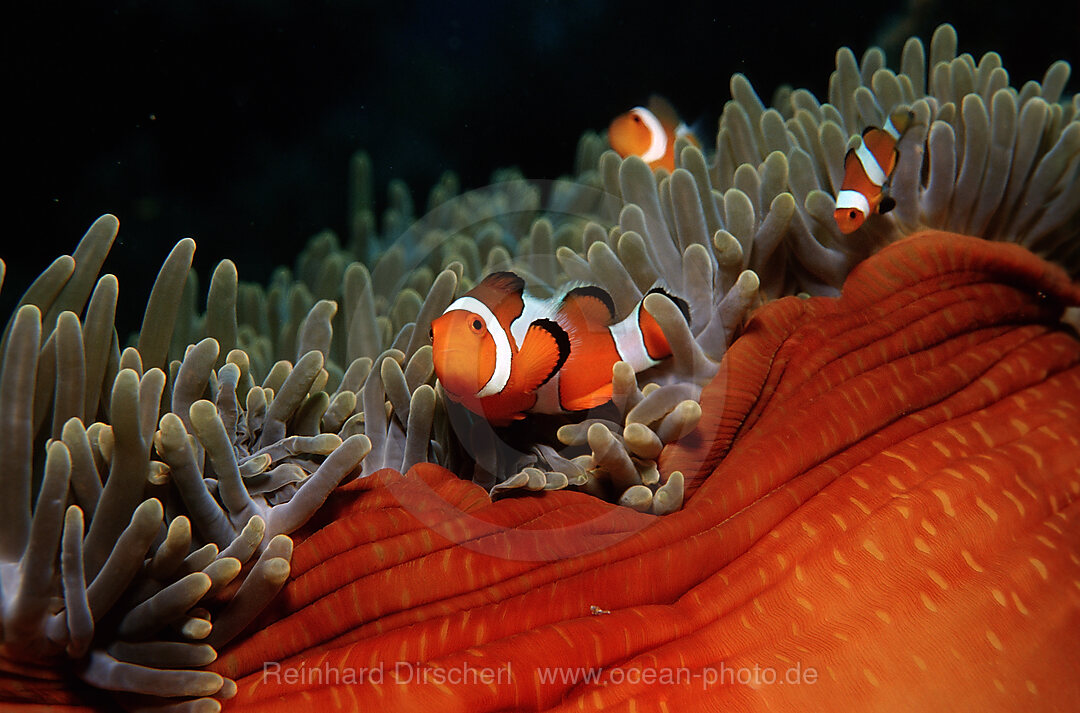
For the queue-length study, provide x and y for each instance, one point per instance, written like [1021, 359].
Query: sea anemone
[152, 489]
[134, 585]
[982, 157]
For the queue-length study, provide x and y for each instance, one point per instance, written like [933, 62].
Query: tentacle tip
[748, 282]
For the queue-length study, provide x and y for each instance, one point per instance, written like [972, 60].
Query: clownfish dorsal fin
[505, 282]
[593, 302]
[652, 335]
[502, 293]
[664, 111]
[679, 301]
[901, 120]
[850, 156]
[543, 351]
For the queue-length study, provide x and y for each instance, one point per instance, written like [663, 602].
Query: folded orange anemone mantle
[884, 515]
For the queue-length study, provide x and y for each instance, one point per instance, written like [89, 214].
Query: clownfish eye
[476, 325]
[853, 215]
[637, 118]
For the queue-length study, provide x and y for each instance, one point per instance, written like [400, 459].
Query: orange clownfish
[649, 133]
[502, 352]
[867, 170]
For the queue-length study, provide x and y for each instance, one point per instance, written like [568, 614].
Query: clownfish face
[849, 219]
[632, 133]
[463, 353]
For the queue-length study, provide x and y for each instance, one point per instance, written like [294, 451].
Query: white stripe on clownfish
[870, 164]
[853, 199]
[890, 128]
[533, 308]
[650, 132]
[626, 334]
[630, 341]
[503, 355]
[657, 135]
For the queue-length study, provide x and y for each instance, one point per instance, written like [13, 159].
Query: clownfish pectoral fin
[887, 204]
[543, 352]
[594, 303]
[590, 400]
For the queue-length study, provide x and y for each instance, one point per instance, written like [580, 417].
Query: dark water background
[232, 122]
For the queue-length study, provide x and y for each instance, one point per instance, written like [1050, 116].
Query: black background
[233, 122]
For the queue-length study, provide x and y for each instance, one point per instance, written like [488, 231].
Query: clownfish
[502, 352]
[867, 171]
[649, 132]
